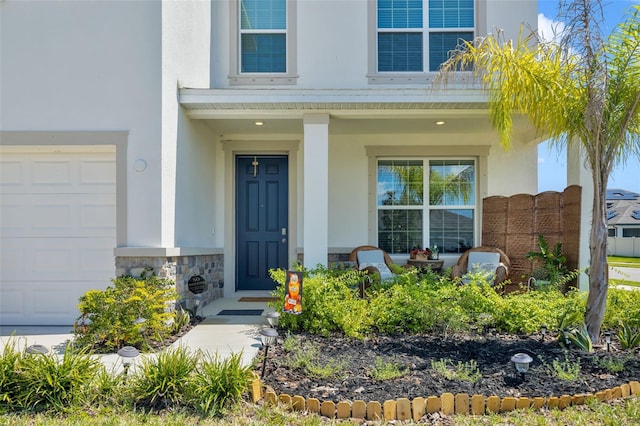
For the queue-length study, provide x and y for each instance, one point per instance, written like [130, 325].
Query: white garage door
[57, 232]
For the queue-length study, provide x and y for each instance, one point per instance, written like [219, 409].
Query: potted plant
[418, 253]
[551, 262]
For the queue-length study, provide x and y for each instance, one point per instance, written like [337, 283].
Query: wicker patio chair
[374, 261]
[480, 262]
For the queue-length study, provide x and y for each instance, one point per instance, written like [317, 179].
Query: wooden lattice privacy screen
[514, 223]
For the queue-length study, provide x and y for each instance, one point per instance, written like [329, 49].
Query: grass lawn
[615, 282]
[619, 412]
[627, 262]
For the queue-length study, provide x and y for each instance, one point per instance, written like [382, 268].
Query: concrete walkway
[223, 335]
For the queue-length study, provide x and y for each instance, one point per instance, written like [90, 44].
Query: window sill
[427, 78]
[419, 78]
[261, 80]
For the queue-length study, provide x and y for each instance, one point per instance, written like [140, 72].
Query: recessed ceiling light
[259, 123]
[440, 123]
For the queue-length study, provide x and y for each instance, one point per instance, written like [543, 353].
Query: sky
[552, 165]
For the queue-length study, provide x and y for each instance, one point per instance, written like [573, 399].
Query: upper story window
[416, 36]
[263, 42]
[263, 36]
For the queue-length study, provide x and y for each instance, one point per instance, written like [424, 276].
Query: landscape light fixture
[269, 336]
[543, 331]
[128, 354]
[521, 362]
[140, 320]
[607, 340]
[566, 336]
[37, 349]
[273, 318]
[197, 301]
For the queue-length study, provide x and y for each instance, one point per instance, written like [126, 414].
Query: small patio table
[424, 264]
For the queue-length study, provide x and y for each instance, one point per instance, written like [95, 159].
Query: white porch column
[578, 174]
[316, 189]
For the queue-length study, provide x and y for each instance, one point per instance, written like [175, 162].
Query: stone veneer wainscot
[179, 269]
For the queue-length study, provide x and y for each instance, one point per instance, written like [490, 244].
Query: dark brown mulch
[491, 352]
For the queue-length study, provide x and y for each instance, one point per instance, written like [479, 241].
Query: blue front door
[262, 240]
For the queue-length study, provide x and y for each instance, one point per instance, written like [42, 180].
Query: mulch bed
[492, 353]
[157, 345]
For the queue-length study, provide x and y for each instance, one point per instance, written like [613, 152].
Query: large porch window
[436, 208]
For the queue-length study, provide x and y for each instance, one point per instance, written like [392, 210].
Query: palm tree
[584, 90]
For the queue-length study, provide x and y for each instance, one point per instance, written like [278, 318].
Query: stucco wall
[509, 173]
[109, 65]
[336, 55]
[68, 66]
[196, 185]
[186, 40]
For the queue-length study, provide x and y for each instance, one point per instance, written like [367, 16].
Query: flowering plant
[418, 253]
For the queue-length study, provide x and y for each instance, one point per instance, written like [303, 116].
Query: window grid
[263, 36]
[410, 215]
[449, 22]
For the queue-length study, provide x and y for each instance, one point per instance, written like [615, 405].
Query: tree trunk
[598, 269]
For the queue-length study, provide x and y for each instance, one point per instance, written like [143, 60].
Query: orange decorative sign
[293, 296]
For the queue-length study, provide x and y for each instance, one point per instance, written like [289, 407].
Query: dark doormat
[257, 299]
[244, 312]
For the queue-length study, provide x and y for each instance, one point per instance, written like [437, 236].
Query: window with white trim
[263, 36]
[406, 44]
[430, 209]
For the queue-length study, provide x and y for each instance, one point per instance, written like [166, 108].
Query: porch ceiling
[234, 111]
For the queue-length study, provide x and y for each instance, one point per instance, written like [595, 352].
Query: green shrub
[526, 312]
[10, 377]
[108, 317]
[307, 359]
[329, 304]
[464, 371]
[386, 370]
[331, 369]
[610, 364]
[623, 306]
[565, 370]
[182, 319]
[629, 337]
[219, 382]
[47, 381]
[290, 343]
[108, 389]
[301, 357]
[436, 304]
[164, 381]
[402, 308]
[579, 337]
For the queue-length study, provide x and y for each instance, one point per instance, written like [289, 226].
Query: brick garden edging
[447, 403]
